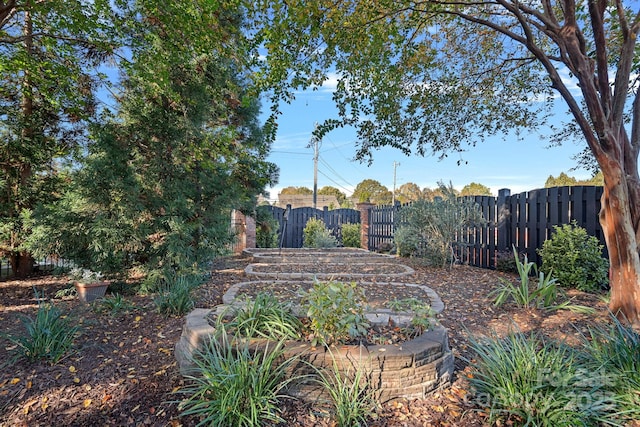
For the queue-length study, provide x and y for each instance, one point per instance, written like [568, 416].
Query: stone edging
[249, 271]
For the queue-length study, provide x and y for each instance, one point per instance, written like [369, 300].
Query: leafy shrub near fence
[316, 235]
[428, 228]
[575, 258]
[266, 228]
[351, 235]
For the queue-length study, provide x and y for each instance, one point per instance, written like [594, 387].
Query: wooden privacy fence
[523, 220]
[292, 222]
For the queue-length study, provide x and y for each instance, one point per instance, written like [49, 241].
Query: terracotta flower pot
[88, 292]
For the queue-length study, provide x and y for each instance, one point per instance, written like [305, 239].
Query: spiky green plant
[234, 385]
[532, 381]
[49, 335]
[265, 317]
[352, 397]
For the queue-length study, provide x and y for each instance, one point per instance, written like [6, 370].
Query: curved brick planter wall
[411, 370]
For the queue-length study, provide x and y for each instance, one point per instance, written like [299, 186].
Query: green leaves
[336, 311]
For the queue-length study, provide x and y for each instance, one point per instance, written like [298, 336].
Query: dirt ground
[122, 371]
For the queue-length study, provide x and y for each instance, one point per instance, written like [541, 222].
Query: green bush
[49, 334]
[428, 229]
[335, 311]
[351, 235]
[316, 235]
[575, 258]
[266, 228]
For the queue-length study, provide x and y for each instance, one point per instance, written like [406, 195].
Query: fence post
[363, 208]
[503, 220]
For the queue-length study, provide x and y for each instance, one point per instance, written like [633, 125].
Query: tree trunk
[616, 218]
[21, 264]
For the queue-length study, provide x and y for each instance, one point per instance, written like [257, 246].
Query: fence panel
[523, 220]
[293, 221]
[381, 226]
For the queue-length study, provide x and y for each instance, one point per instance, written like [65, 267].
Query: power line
[324, 162]
[331, 179]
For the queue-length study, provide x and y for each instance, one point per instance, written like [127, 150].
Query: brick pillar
[245, 229]
[364, 223]
[250, 232]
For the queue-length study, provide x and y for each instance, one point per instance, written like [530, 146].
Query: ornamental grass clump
[612, 354]
[529, 380]
[175, 293]
[541, 292]
[49, 334]
[351, 396]
[235, 385]
[265, 317]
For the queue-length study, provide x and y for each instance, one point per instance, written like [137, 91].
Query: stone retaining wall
[412, 369]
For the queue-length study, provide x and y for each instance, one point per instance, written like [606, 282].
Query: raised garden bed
[324, 270]
[408, 369]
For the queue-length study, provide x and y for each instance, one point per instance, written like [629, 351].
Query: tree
[431, 194]
[431, 75]
[47, 98]
[327, 190]
[408, 192]
[296, 191]
[160, 179]
[562, 180]
[565, 180]
[372, 191]
[475, 189]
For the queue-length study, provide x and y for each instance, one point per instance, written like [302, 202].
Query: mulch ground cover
[122, 371]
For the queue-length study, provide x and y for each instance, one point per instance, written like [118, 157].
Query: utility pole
[393, 197]
[315, 141]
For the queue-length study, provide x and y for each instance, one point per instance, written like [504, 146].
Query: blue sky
[518, 164]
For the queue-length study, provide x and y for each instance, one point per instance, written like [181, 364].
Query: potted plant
[89, 284]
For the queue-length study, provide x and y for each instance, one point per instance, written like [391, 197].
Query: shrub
[408, 243]
[423, 317]
[233, 385]
[335, 311]
[351, 235]
[316, 235]
[435, 225]
[266, 228]
[575, 258]
[49, 334]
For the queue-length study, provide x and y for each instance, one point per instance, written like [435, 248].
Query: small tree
[316, 235]
[432, 226]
